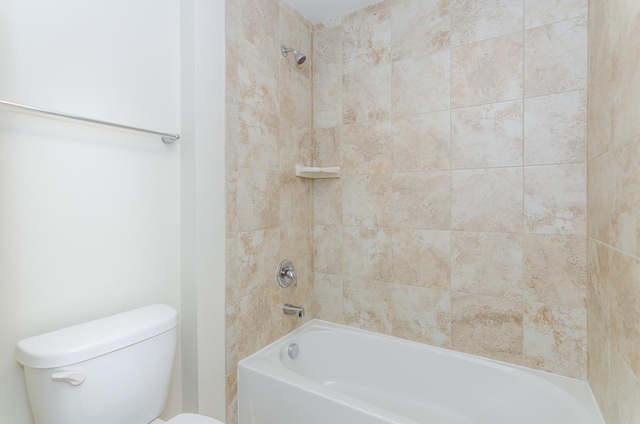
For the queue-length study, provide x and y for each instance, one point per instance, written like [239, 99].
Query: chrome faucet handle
[292, 274]
[285, 274]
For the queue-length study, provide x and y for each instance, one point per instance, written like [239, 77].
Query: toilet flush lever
[74, 378]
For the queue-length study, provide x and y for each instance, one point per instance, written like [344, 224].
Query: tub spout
[290, 309]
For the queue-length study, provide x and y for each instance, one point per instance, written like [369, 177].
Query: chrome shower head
[300, 57]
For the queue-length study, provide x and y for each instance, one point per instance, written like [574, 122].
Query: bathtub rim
[266, 361]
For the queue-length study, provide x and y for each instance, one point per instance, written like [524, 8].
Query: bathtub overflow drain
[293, 350]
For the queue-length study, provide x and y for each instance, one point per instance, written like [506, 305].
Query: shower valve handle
[285, 274]
[290, 273]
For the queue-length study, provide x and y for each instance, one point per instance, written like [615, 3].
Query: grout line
[617, 249]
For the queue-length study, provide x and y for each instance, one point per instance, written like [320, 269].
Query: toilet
[114, 370]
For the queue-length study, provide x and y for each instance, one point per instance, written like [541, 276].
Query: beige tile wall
[460, 217]
[613, 293]
[269, 210]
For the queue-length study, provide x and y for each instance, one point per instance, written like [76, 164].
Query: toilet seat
[192, 419]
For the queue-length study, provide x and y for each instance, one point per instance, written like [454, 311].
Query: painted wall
[269, 210]
[202, 176]
[89, 215]
[614, 205]
[460, 217]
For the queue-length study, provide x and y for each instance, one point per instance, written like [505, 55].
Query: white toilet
[114, 370]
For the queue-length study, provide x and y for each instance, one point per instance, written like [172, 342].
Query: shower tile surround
[613, 289]
[269, 218]
[460, 217]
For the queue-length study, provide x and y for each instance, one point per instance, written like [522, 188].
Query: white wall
[203, 206]
[89, 216]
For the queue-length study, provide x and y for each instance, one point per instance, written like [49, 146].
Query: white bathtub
[348, 376]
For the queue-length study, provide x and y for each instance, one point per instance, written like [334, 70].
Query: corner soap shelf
[317, 171]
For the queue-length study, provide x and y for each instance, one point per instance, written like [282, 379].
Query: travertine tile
[294, 201]
[260, 319]
[366, 253]
[420, 314]
[421, 142]
[258, 199]
[421, 84]
[555, 199]
[543, 12]
[233, 17]
[366, 39]
[327, 244]
[599, 36]
[487, 136]
[231, 396]
[487, 71]
[487, 326]
[327, 102]
[328, 297]
[555, 269]
[257, 258]
[231, 272]
[231, 205]
[231, 338]
[258, 139]
[287, 7]
[421, 258]
[599, 112]
[327, 202]
[231, 69]
[599, 286]
[259, 20]
[556, 58]
[295, 146]
[479, 20]
[327, 146]
[601, 177]
[598, 366]
[420, 27]
[555, 129]
[327, 53]
[232, 133]
[366, 95]
[625, 308]
[624, 393]
[364, 306]
[366, 148]
[294, 94]
[487, 263]
[421, 200]
[625, 216]
[366, 200]
[487, 200]
[625, 86]
[258, 78]
[555, 339]
[624, 13]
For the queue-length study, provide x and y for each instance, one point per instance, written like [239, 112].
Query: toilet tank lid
[95, 338]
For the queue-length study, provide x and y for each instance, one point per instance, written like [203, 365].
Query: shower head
[300, 57]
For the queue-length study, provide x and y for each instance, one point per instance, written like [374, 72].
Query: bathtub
[342, 375]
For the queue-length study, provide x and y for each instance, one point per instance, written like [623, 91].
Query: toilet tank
[115, 370]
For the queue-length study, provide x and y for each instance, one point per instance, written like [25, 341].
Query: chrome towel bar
[166, 137]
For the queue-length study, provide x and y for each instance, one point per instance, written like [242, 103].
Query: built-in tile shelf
[317, 171]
